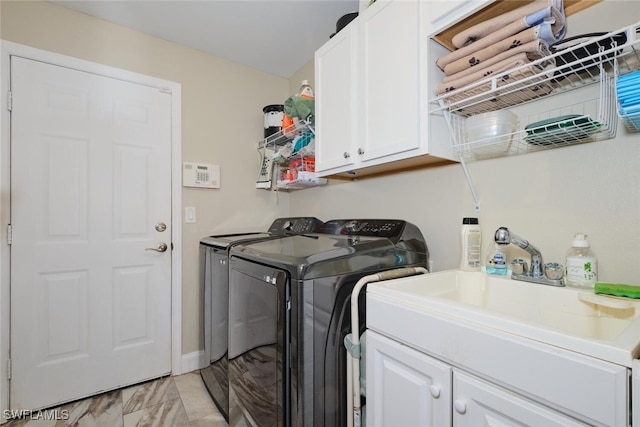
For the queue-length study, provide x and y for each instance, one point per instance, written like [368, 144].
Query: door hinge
[8, 369]
[9, 234]
[9, 100]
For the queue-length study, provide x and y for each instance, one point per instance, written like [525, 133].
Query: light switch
[189, 215]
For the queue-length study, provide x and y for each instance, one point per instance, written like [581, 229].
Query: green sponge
[617, 289]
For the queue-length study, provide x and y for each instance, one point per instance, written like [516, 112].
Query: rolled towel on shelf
[548, 31]
[526, 41]
[513, 62]
[530, 14]
[476, 93]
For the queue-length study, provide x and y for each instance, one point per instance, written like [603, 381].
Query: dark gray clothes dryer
[214, 277]
[289, 311]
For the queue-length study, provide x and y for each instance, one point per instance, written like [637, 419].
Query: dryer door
[258, 356]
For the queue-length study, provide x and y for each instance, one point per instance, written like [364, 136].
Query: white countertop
[565, 317]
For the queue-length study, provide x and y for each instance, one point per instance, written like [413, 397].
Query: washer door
[258, 356]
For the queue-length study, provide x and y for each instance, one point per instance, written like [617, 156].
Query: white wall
[544, 197]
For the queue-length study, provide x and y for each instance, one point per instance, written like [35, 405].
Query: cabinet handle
[346, 155]
[435, 391]
[461, 406]
[360, 151]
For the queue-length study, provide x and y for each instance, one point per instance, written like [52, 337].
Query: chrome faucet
[535, 274]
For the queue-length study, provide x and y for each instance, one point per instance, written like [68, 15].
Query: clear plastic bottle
[581, 265]
[471, 245]
[305, 90]
[496, 259]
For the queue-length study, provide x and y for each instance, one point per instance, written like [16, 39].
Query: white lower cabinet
[405, 387]
[408, 388]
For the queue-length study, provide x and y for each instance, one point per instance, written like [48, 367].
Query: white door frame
[10, 48]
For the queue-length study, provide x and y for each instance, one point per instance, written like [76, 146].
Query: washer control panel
[388, 228]
[295, 225]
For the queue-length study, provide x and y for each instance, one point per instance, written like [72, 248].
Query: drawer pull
[435, 391]
[461, 406]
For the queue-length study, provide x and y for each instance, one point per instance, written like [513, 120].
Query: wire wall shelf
[591, 115]
[288, 158]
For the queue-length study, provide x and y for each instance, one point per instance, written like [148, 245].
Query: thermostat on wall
[200, 175]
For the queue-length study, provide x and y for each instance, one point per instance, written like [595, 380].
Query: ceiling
[275, 36]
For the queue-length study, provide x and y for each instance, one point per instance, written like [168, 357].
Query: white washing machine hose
[352, 341]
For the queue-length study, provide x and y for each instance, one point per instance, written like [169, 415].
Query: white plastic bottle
[581, 265]
[471, 244]
[305, 90]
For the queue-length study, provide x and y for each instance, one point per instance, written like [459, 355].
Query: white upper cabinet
[390, 58]
[335, 99]
[371, 94]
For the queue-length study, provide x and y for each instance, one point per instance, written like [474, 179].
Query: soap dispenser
[496, 259]
[581, 265]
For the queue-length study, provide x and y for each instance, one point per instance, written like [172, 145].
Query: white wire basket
[591, 115]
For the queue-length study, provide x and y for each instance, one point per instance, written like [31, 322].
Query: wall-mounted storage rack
[291, 153]
[589, 116]
[592, 116]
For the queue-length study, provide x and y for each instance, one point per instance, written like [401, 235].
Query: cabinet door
[390, 102]
[335, 68]
[478, 403]
[405, 387]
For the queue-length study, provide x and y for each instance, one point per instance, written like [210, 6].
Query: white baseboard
[192, 362]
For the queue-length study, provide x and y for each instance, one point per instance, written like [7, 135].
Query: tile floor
[180, 401]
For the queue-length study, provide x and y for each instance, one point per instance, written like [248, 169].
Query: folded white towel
[526, 41]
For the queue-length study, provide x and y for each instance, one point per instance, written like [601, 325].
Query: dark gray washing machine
[289, 311]
[214, 276]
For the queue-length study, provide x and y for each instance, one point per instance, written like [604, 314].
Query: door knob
[161, 226]
[346, 155]
[360, 151]
[160, 248]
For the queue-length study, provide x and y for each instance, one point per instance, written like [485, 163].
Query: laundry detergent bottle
[581, 265]
[305, 91]
[471, 236]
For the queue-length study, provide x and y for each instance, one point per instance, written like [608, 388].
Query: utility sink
[574, 319]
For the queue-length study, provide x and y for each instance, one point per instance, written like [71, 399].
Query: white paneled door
[90, 192]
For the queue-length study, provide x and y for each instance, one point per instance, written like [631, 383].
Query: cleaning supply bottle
[581, 265]
[303, 111]
[305, 90]
[471, 243]
[496, 259]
